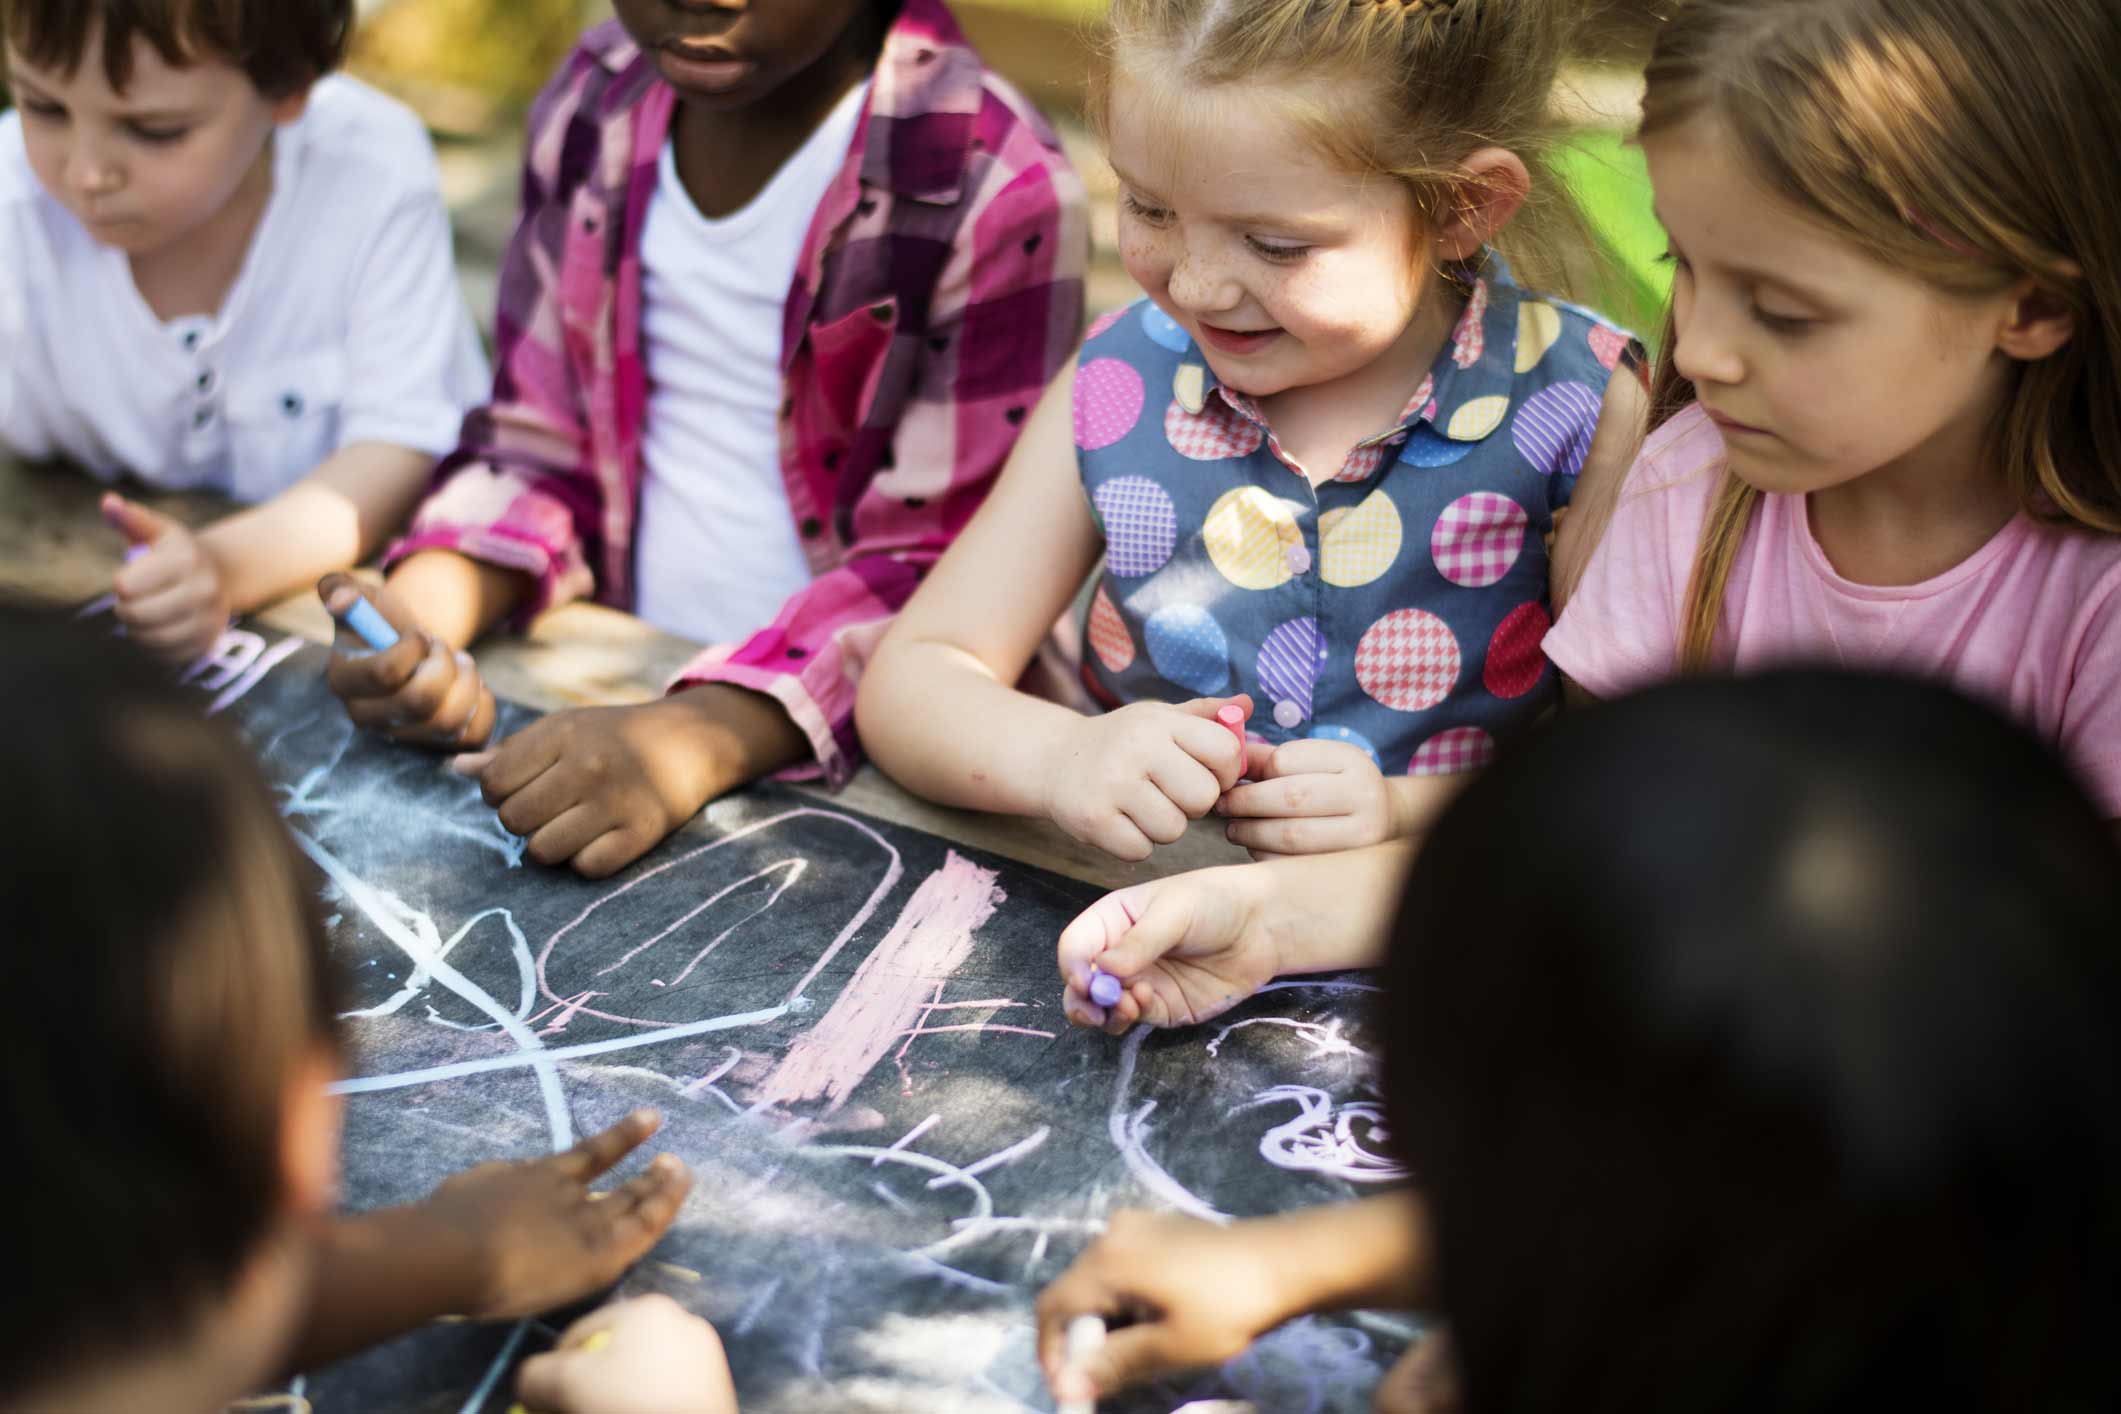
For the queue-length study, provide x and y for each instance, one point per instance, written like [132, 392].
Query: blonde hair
[1962, 141]
[1401, 88]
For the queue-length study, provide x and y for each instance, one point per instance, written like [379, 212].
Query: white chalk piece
[1086, 1336]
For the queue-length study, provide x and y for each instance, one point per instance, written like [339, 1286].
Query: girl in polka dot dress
[1322, 461]
[1891, 417]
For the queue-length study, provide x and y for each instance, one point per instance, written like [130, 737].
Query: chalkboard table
[853, 1030]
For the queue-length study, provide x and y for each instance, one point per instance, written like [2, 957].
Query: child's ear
[1494, 189]
[2039, 321]
[310, 1117]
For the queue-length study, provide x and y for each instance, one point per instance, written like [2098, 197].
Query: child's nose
[92, 172]
[1703, 350]
[1202, 286]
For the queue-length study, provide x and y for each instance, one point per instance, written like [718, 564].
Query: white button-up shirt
[346, 323]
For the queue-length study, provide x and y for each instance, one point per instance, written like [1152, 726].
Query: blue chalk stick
[375, 630]
[1105, 989]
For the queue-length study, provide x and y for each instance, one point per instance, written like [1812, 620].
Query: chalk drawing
[1130, 1128]
[1324, 1139]
[932, 936]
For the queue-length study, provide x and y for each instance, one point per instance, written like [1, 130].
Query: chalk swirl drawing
[1342, 1141]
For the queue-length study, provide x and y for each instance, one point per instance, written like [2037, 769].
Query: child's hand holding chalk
[1196, 1295]
[1133, 778]
[648, 1355]
[171, 593]
[1171, 952]
[404, 682]
[1076, 1388]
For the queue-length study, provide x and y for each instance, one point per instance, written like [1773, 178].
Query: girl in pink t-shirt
[1891, 403]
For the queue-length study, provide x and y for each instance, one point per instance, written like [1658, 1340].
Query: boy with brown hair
[223, 269]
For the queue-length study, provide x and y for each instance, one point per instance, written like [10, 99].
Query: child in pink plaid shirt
[937, 289]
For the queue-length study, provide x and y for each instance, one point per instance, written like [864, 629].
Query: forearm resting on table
[455, 597]
[737, 735]
[1374, 1253]
[334, 518]
[1329, 912]
[939, 722]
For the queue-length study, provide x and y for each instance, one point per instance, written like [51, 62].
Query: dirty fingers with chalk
[402, 681]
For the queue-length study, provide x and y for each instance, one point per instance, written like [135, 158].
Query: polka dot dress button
[1288, 716]
[1299, 563]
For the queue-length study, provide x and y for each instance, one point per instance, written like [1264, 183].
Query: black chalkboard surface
[853, 1030]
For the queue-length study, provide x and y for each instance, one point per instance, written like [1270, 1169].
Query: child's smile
[1288, 271]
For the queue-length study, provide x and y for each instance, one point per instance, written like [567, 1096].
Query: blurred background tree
[468, 65]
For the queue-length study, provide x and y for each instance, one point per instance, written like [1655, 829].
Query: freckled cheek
[1146, 258]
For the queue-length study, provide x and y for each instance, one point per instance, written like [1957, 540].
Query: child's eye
[1283, 254]
[1786, 324]
[158, 136]
[1149, 215]
[37, 108]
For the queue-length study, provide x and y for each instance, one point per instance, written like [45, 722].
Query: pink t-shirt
[2031, 621]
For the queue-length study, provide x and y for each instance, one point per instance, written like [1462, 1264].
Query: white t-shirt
[346, 323]
[717, 553]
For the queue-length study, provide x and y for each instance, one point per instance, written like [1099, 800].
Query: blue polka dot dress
[1397, 607]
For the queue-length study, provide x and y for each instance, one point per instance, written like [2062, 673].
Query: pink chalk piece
[1105, 989]
[1233, 717]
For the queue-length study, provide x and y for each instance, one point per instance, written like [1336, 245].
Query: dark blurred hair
[1759, 1045]
[165, 971]
[283, 45]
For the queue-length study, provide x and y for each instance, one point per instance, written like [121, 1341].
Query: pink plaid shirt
[938, 290]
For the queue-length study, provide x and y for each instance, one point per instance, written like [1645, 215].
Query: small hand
[421, 691]
[1309, 797]
[539, 1238]
[598, 787]
[644, 1356]
[1179, 1293]
[1185, 948]
[172, 597]
[1130, 780]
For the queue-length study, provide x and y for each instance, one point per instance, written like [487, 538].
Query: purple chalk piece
[1105, 989]
[134, 552]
